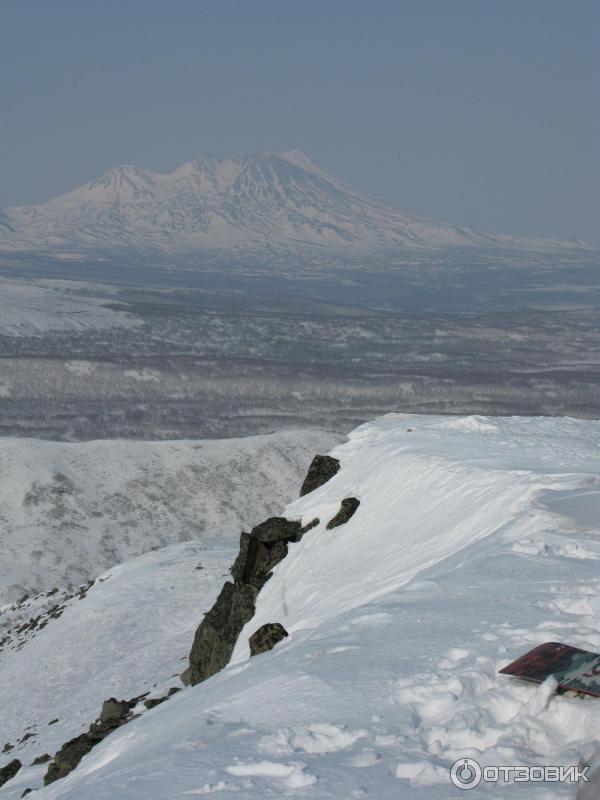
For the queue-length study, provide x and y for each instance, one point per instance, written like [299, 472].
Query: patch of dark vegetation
[470, 336]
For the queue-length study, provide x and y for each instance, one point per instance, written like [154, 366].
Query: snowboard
[575, 670]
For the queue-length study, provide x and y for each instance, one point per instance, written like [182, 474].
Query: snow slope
[256, 202]
[69, 511]
[126, 636]
[476, 539]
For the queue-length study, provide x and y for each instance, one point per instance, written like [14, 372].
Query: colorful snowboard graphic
[574, 669]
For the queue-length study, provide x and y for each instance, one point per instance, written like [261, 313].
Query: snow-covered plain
[476, 539]
[29, 308]
[69, 511]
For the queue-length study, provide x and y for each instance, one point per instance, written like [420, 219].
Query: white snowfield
[475, 540]
[255, 200]
[69, 511]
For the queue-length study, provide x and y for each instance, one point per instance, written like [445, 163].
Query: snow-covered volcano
[258, 202]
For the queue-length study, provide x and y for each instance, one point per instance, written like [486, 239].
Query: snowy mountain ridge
[254, 202]
[70, 511]
[475, 539]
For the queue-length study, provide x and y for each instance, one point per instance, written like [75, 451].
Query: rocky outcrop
[349, 506]
[266, 637]
[260, 552]
[219, 630]
[321, 470]
[152, 702]
[114, 713]
[9, 771]
[41, 760]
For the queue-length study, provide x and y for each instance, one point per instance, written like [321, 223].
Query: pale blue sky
[480, 112]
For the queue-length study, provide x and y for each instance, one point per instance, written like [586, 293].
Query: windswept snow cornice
[258, 201]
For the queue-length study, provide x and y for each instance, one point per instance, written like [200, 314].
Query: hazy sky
[479, 112]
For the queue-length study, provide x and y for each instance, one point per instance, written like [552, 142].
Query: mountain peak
[300, 159]
[260, 201]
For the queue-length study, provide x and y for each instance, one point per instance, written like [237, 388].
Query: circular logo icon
[466, 773]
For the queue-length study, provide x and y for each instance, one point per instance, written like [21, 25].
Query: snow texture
[69, 511]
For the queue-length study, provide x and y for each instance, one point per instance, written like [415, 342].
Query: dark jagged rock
[239, 565]
[113, 709]
[321, 470]
[8, 747]
[9, 771]
[152, 702]
[26, 792]
[219, 630]
[41, 760]
[71, 753]
[114, 713]
[277, 528]
[349, 506]
[266, 637]
[262, 549]
[260, 552]
[310, 525]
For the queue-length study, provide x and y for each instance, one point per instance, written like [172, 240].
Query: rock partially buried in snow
[9, 771]
[219, 630]
[113, 709]
[260, 552]
[277, 528]
[266, 637]
[321, 470]
[41, 760]
[349, 506]
[114, 713]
